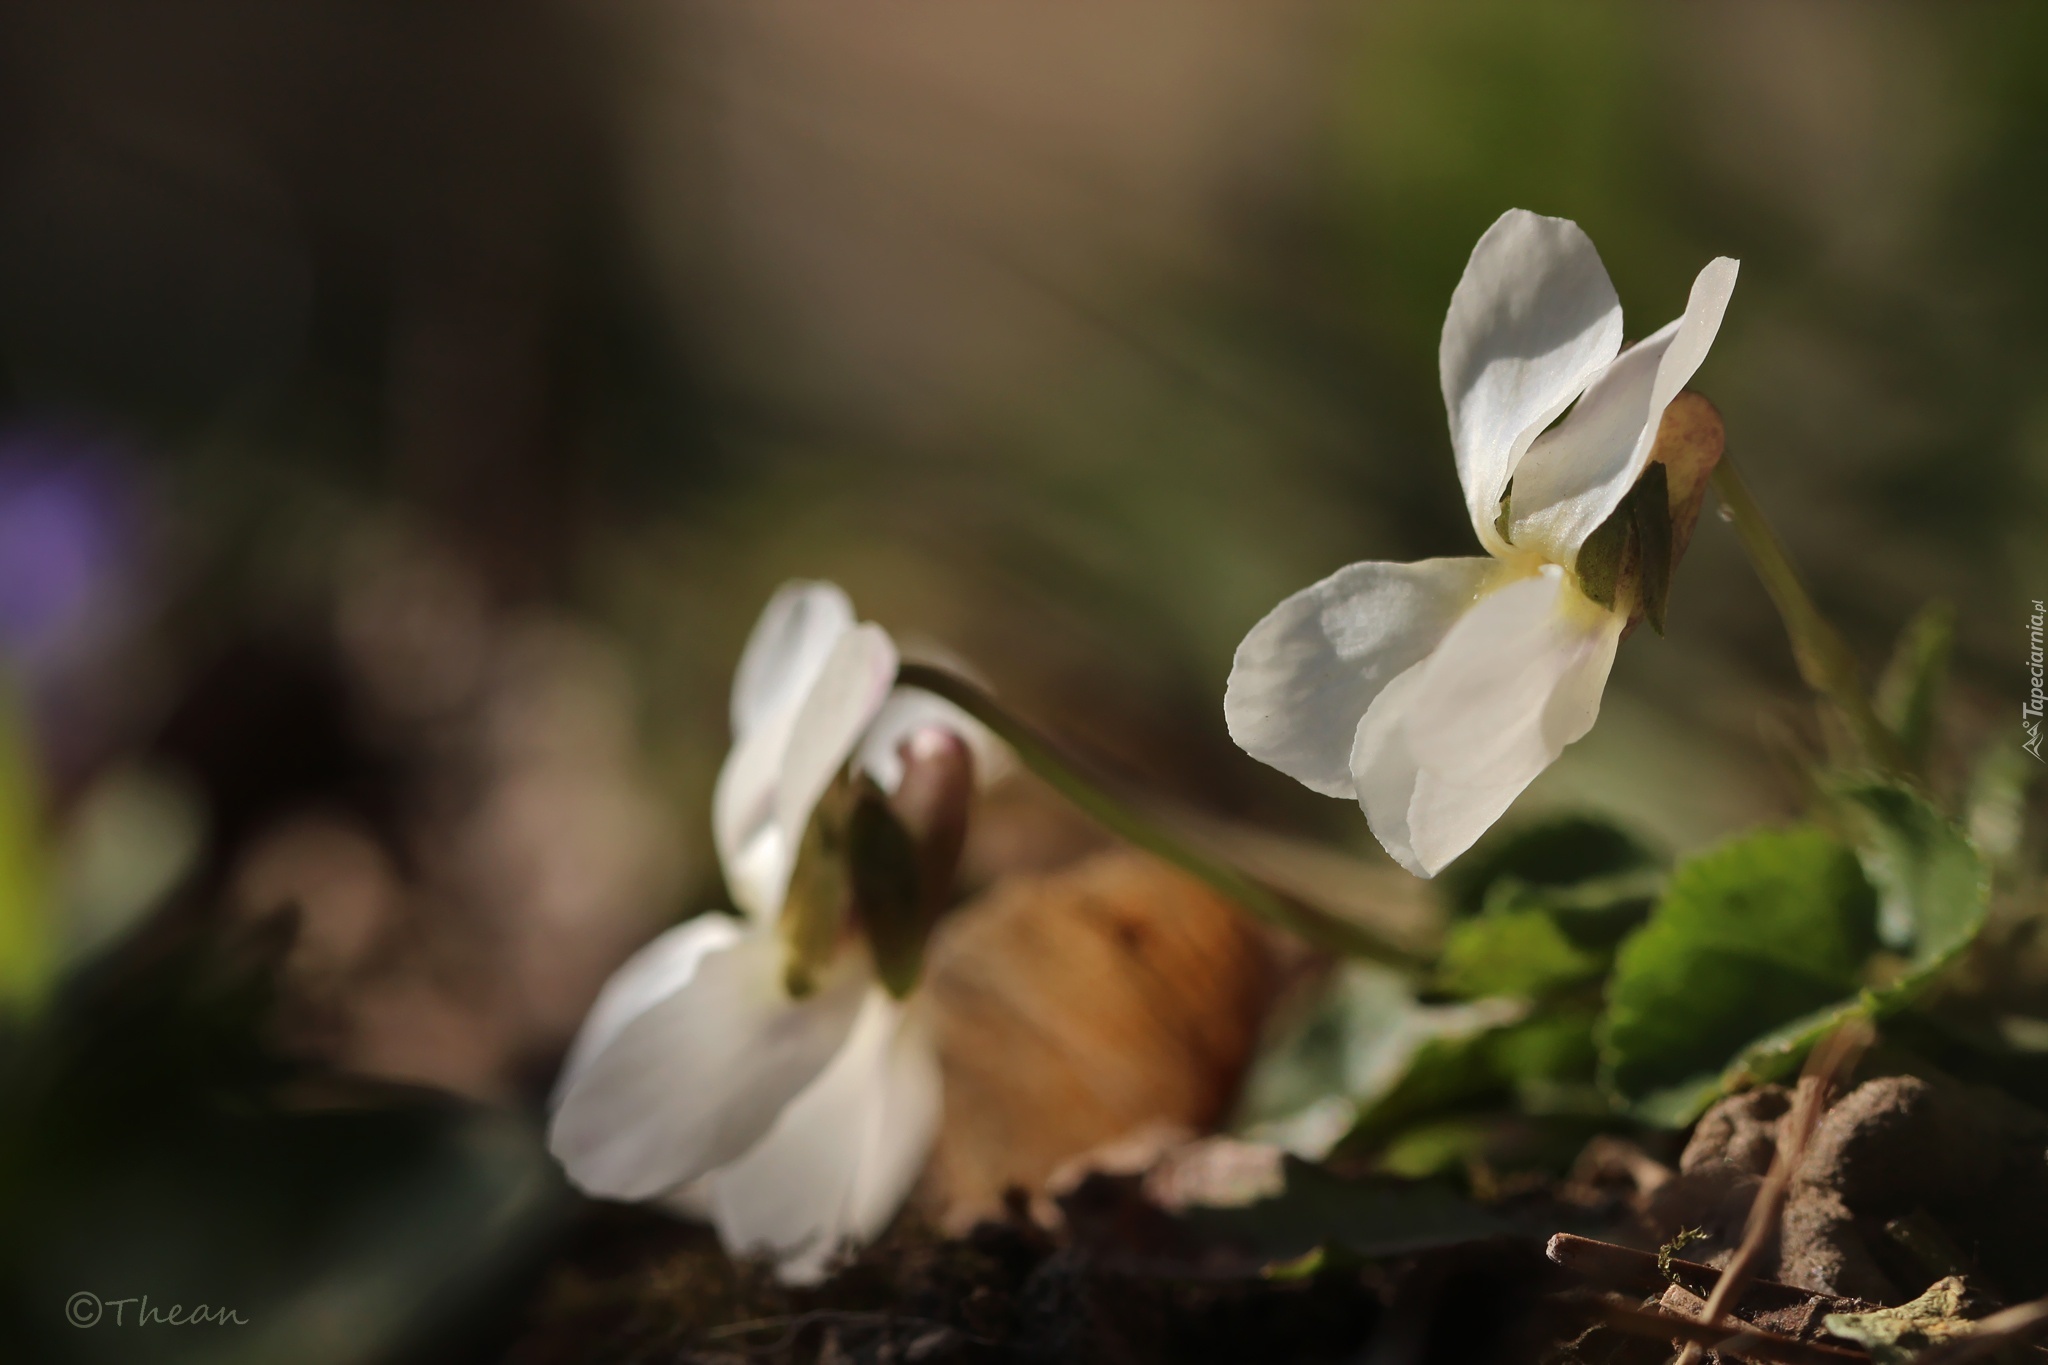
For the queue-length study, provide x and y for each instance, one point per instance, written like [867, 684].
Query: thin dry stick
[1750, 1343]
[1988, 1334]
[1830, 1059]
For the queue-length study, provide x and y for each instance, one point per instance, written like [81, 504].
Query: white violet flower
[1432, 693]
[796, 1123]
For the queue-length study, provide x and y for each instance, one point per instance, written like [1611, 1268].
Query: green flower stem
[1824, 659]
[1042, 757]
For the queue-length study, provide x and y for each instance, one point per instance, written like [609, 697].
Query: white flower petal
[1533, 319]
[844, 1154]
[1384, 772]
[691, 1201]
[788, 646]
[697, 1078]
[660, 969]
[1450, 744]
[850, 690]
[775, 775]
[910, 709]
[1305, 674]
[1578, 472]
[778, 670]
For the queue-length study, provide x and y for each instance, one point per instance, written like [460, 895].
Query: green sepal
[1649, 504]
[887, 889]
[1642, 520]
[820, 891]
[1602, 555]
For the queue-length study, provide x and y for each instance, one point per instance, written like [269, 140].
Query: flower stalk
[1822, 655]
[1042, 757]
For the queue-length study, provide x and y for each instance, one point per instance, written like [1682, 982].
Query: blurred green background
[405, 409]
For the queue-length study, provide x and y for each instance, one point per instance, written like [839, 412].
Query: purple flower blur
[68, 542]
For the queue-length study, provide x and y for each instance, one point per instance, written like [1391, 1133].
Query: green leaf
[1909, 693]
[1595, 914]
[1934, 892]
[1519, 952]
[1366, 1038]
[1778, 1054]
[1554, 853]
[1996, 806]
[27, 951]
[1749, 937]
[1442, 1074]
[1933, 889]
[1533, 1056]
[1436, 1148]
[1546, 1050]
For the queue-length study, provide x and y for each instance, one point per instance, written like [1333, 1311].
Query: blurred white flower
[795, 1125]
[1434, 692]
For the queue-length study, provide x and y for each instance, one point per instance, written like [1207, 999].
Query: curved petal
[1533, 319]
[660, 969]
[797, 629]
[691, 1200]
[1305, 674]
[1449, 745]
[850, 690]
[696, 1078]
[910, 709]
[780, 667]
[1578, 472]
[758, 811]
[844, 1154]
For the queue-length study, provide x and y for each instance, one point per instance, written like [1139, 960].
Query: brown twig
[1750, 1343]
[1831, 1059]
[1621, 1267]
[1988, 1334]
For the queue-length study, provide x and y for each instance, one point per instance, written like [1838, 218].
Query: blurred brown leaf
[1076, 1007]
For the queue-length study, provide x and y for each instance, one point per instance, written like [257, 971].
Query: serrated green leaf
[1933, 889]
[1926, 866]
[1909, 692]
[1748, 937]
[1519, 952]
[1778, 1054]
